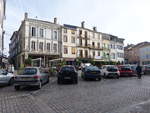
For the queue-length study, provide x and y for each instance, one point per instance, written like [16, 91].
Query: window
[104, 45]
[33, 46]
[55, 35]
[65, 50]
[41, 46]
[72, 32]
[86, 53]
[99, 54]
[72, 39]
[41, 32]
[73, 50]
[48, 46]
[93, 44]
[33, 31]
[55, 47]
[81, 53]
[80, 32]
[65, 38]
[98, 44]
[85, 34]
[80, 42]
[93, 53]
[65, 30]
[113, 56]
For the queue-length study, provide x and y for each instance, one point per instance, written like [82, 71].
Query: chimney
[26, 15]
[55, 20]
[82, 24]
[94, 29]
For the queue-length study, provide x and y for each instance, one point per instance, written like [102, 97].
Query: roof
[70, 26]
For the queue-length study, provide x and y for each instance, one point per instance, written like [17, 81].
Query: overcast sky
[128, 19]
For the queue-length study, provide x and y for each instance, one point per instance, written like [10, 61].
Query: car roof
[67, 66]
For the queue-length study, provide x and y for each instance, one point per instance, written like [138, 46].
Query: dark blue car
[91, 72]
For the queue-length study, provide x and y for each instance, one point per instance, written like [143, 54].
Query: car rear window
[29, 71]
[92, 68]
[67, 69]
[111, 68]
[125, 68]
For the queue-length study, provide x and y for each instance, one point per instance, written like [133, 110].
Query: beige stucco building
[38, 40]
[46, 42]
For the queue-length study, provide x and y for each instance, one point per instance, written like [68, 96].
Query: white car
[6, 78]
[110, 71]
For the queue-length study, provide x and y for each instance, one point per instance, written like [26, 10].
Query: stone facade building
[132, 53]
[38, 40]
[145, 54]
[46, 42]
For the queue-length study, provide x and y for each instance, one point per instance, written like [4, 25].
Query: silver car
[6, 78]
[31, 76]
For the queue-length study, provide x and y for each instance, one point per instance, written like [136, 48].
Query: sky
[128, 19]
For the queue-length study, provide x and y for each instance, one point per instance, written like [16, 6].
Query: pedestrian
[139, 71]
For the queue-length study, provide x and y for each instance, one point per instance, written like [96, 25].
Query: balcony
[96, 48]
[84, 46]
[84, 37]
[105, 49]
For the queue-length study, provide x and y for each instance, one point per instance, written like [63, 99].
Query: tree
[28, 62]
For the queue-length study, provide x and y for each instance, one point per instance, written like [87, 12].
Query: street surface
[124, 95]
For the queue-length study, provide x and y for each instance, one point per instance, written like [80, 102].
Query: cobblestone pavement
[124, 95]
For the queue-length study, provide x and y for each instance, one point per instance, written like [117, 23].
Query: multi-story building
[46, 42]
[89, 43]
[106, 47]
[113, 48]
[38, 40]
[132, 53]
[2, 17]
[69, 40]
[145, 54]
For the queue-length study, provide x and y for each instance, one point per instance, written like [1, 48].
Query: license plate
[25, 79]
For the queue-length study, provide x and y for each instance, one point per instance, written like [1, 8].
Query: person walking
[139, 71]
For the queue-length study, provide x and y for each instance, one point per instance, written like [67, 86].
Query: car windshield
[112, 68]
[67, 69]
[29, 71]
[3, 72]
[92, 68]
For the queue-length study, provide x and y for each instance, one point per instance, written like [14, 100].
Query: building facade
[69, 40]
[45, 42]
[145, 54]
[132, 52]
[2, 17]
[113, 48]
[38, 40]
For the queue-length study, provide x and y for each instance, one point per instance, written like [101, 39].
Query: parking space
[107, 96]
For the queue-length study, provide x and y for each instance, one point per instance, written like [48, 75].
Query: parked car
[126, 70]
[6, 78]
[110, 71]
[67, 73]
[31, 76]
[146, 69]
[91, 72]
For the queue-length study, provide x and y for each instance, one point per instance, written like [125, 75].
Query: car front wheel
[99, 79]
[17, 87]
[40, 85]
